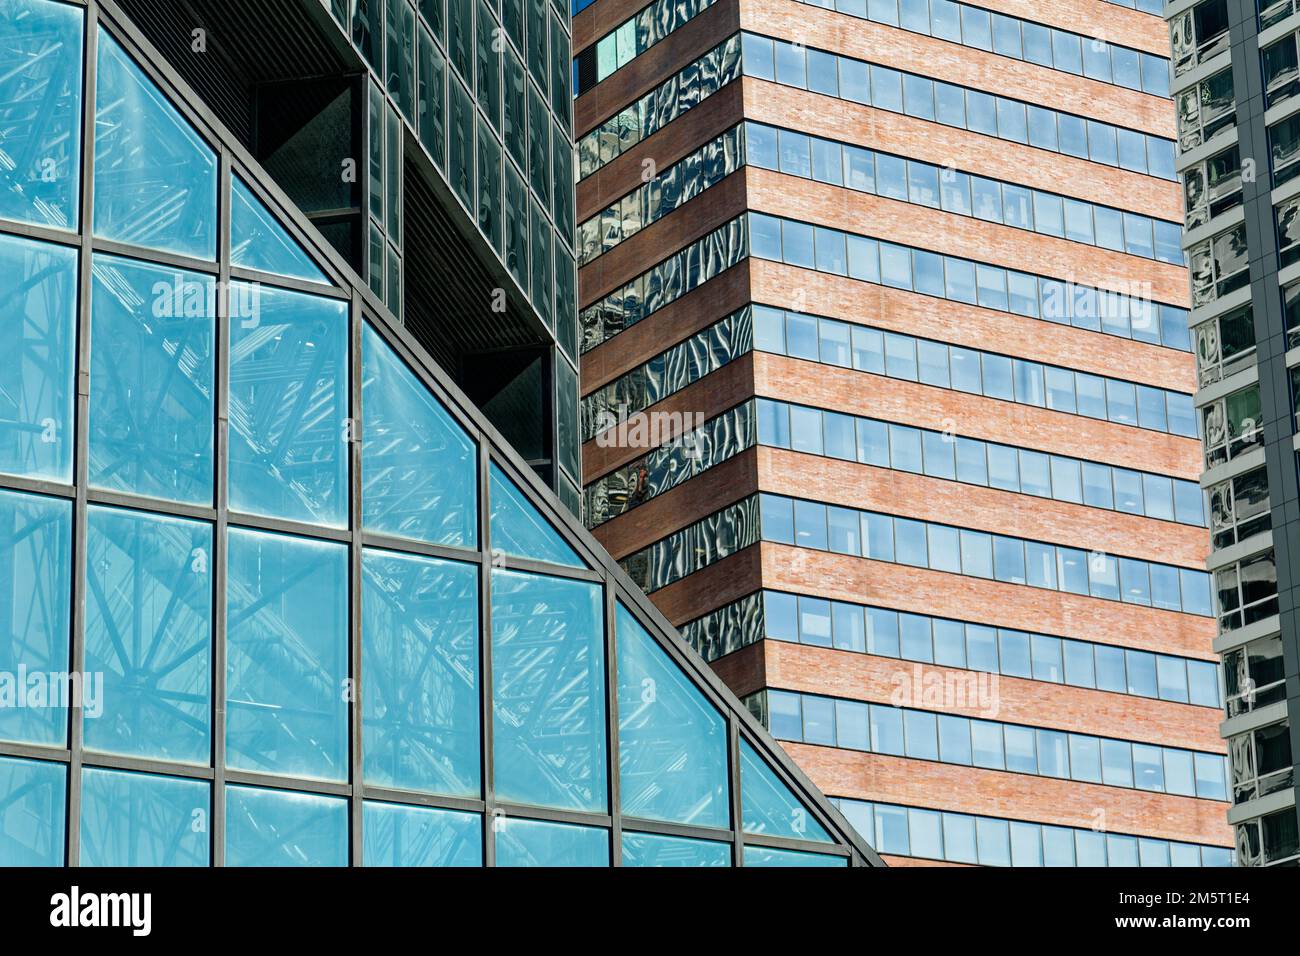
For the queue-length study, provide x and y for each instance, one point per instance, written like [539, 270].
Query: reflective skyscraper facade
[1234, 68]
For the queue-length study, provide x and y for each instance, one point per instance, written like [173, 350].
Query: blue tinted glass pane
[420, 651]
[396, 835]
[519, 529]
[149, 633]
[417, 465]
[142, 819]
[548, 689]
[652, 849]
[287, 645]
[281, 828]
[540, 843]
[768, 856]
[672, 741]
[151, 380]
[35, 596]
[31, 812]
[38, 318]
[768, 806]
[288, 405]
[258, 241]
[155, 178]
[40, 93]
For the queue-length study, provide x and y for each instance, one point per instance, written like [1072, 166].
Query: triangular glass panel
[419, 468]
[767, 806]
[258, 241]
[672, 743]
[155, 177]
[519, 530]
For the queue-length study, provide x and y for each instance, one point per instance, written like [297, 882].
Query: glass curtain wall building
[1234, 64]
[272, 590]
[888, 403]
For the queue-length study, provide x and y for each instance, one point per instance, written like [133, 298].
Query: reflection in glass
[258, 241]
[397, 835]
[548, 687]
[769, 856]
[282, 828]
[420, 651]
[40, 111]
[151, 380]
[672, 741]
[35, 601]
[518, 528]
[31, 815]
[287, 622]
[38, 319]
[417, 464]
[288, 405]
[149, 633]
[155, 178]
[541, 843]
[142, 819]
[768, 806]
[653, 849]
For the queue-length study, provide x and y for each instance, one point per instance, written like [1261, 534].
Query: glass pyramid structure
[271, 591]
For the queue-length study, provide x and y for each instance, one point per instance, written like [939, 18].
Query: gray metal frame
[492, 449]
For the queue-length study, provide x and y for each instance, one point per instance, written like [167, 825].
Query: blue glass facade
[272, 593]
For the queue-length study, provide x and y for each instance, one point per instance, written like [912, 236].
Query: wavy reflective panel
[541, 843]
[518, 529]
[633, 37]
[548, 685]
[40, 111]
[671, 464]
[32, 812]
[282, 828]
[149, 633]
[151, 380]
[669, 372]
[672, 741]
[258, 241]
[696, 546]
[286, 697]
[683, 91]
[654, 849]
[38, 317]
[727, 629]
[666, 282]
[155, 178]
[288, 405]
[35, 605]
[768, 806]
[419, 476]
[143, 819]
[420, 654]
[770, 856]
[650, 202]
[398, 835]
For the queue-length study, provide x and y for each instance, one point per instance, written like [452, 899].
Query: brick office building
[914, 267]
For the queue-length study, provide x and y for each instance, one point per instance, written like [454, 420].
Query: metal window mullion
[733, 768]
[354, 632]
[485, 657]
[219, 544]
[81, 429]
[611, 726]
